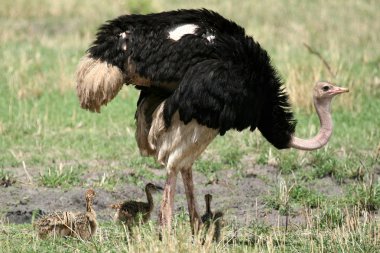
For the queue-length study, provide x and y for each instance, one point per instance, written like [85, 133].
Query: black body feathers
[222, 77]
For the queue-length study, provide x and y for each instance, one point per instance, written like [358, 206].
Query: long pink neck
[323, 110]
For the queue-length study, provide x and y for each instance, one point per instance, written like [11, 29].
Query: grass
[342, 232]
[44, 132]
[5, 173]
[365, 195]
[60, 177]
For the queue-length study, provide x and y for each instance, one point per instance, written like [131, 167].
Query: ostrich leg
[168, 200]
[187, 177]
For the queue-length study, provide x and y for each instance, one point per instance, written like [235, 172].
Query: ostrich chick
[65, 223]
[85, 224]
[211, 218]
[55, 224]
[132, 212]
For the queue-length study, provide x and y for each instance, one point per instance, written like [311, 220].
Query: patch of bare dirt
[239, 195]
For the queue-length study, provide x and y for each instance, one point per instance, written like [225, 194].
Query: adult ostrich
[199, 75]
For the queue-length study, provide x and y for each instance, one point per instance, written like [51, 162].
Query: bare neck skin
[322, 106]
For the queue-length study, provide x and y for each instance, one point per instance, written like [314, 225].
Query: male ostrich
[199, 75]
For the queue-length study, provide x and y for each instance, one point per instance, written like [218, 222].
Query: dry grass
[341, 31]
[352, 232]
[42, 41]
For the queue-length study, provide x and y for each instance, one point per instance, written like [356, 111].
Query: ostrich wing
[215, 93]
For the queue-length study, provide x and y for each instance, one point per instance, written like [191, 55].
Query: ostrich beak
[339, 90]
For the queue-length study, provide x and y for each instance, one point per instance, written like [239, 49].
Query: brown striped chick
[134, 212]
[85, 224]
[55, 224]
[81, 225]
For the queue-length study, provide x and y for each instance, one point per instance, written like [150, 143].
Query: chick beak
[159, 187]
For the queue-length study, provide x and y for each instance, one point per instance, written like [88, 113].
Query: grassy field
[45, 134]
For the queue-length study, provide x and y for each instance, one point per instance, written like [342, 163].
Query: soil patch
[239, 195]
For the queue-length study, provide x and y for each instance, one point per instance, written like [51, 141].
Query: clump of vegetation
[208, 168]
[143, 162]
[323, 164]
[306, 197]
[330, 217]
[280, 198]
[61, 176]
[6, 178]
[140, 176]
[262, 158]
[286, 197]
[289, 162]
[231, 156]
[110, 180]
[258, 231]
[5, 173]
[365, 195]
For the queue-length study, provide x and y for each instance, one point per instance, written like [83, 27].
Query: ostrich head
[90, 194]
[326, 91]
[153, 188]
[323, 94]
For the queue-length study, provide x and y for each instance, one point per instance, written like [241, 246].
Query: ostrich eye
[325, 88]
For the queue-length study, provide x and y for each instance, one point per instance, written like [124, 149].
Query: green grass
[365, 195]
[330, 217]
[60, 176]
[5, 173]
[42, 125]
[342, 232]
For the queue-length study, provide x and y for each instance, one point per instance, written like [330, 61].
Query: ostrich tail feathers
[97, 83]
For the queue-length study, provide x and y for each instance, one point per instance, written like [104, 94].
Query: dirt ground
[241, 197]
